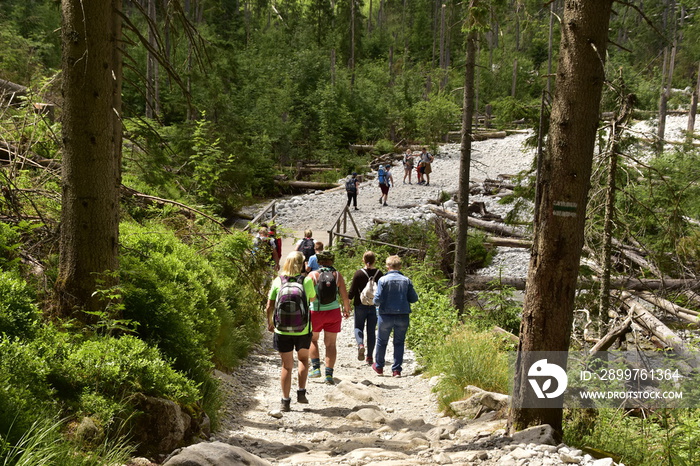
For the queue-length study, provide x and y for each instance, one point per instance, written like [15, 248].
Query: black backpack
[291, 309]
[307, 248]
[327, 288]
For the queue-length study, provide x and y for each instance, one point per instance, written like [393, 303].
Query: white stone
[276, 413]
[603, 462]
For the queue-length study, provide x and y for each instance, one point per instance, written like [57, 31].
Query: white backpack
[367, 294]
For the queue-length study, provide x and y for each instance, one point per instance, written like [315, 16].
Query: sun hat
[325, 255]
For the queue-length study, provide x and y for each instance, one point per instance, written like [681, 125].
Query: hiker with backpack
[306, 246]
[393, 298]
[327, 314]
[362, 291]
[266, 247]
[312, 264]
[426, 159]
[288, 316]
[407, 166]
[351, 186]
[385, 181]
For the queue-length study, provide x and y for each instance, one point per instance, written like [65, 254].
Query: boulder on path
[542, 434]
[162, 427]
[358, 391]
[214, 453]
[368, 415]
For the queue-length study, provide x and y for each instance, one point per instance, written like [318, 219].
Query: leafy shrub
[9, 243]
[499, 308]
[19, 316]
[436, 117]
[433, 317]
[119, 367]
[384, 146]
[509, 109]
[25, 394]
[194, 309]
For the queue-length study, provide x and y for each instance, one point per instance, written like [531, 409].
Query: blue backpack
[382, 176]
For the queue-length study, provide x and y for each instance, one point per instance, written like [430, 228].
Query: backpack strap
[365, 272]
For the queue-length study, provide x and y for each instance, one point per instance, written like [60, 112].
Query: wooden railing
[263, 215]
[342, 221]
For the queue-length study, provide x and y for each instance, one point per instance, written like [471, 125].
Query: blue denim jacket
[394, 294]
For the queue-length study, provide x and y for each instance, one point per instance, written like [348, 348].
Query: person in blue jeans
[393, 298]
[365, 314]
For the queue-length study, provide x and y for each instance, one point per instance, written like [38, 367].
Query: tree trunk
[152, 109]
[624, 113]
[560, 219]
[352, 43]
[693, 110]
[92, 136]
[460, 261]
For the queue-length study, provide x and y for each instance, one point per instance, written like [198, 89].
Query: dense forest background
[230, 91]
[222, 96]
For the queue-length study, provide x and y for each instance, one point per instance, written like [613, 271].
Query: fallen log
[508, 242]
[682, 313]
[483, 136]
[305, 184]
[647, 320]
[361, 147]
[496, 330]
[480, 224]
[9, 91]
[481, 282]
[610, 337]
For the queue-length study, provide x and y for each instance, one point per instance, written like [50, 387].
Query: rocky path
[367, 419]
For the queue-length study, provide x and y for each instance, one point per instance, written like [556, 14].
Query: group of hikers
[310, 297]
[386, 179]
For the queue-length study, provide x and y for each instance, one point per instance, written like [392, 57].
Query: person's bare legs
[303, 367]
[329, 340]
[314, 352]
[286, 376]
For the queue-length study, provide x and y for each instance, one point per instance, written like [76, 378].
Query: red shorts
[384, 188]
[330, 321]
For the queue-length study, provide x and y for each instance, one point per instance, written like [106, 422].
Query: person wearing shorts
[288, 342]
[387, 182]
[327, 318]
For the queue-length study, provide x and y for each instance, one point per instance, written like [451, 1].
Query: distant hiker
[326, 314]
[313, 260]
[306, 246]
[393, 298]
[427, 159]
[407, 166]
[266, 247]
[385, 181]
[288, 316]
[351, 185]
[419, 172]
[362, 291]
[272, 233]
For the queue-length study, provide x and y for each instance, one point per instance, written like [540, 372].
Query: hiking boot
[361, 352]
[377, 369]
[285, 405]
[385, 204]
[380, 200]
[396, 374]
[329, 380]
[356, 208]
[301, 396]
[369, 361]
[427, 184]
[315, 373]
